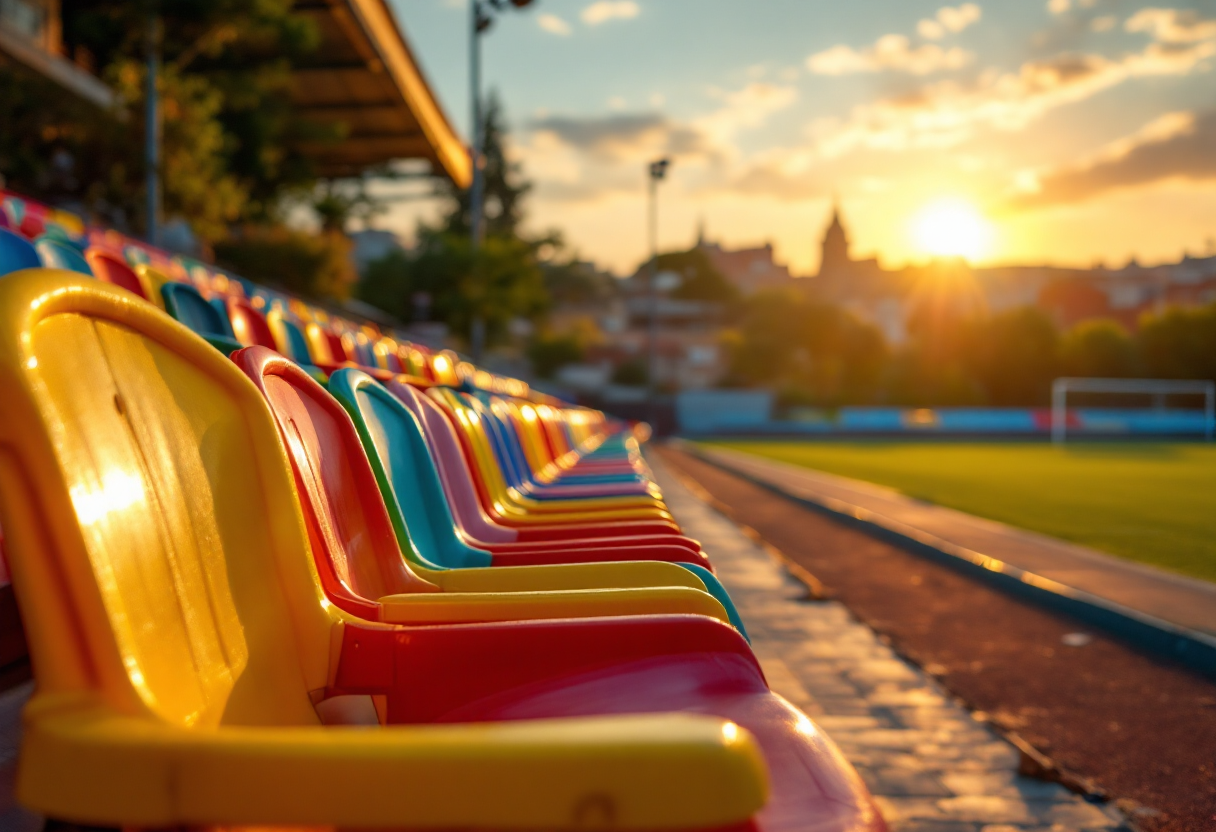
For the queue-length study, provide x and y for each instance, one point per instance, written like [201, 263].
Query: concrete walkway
[1183, 601]
[930, 764]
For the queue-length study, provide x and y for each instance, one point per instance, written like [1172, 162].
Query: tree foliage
[230, 133]
[313, 264]
[499, 281]
[504, 185]
[1180, 342]
[1098, 349]
[1013, 356]
[700, 279]
[787, 340]
[819, 354]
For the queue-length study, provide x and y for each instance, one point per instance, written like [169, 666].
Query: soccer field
[1154, 503]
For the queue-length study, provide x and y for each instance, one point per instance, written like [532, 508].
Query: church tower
[835, 254]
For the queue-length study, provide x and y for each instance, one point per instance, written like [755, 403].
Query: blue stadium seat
[56, 254]
[17, 253]
[184, 303]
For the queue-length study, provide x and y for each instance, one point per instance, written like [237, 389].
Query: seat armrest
[469, 607]
[92, 766]
[623, 575]
[660, 553]
[498, 657]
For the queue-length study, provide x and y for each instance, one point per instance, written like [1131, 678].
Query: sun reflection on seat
[119, 490]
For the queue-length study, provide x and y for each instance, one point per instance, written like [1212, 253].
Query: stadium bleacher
[277, 567]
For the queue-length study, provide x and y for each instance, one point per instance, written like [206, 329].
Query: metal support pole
[477, 327]
[1209, 411]
[652, 312]
[1059, 412]
[152, 130]
[477, 186]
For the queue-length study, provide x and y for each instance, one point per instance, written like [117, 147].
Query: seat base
[814, 789]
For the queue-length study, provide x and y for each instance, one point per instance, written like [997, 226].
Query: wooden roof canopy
[363, 75]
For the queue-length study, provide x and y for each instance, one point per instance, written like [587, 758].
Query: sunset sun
[952, 227]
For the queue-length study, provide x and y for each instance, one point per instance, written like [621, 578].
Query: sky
[1070, 132]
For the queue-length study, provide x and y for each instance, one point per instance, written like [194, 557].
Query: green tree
[549, 351]
[788, 340]
[1179, 342]
[313, 264]
[700, 280]
[631, 373]
[1098, 348]
[503, 183]
[1013, 356]
[500, 281]
[231, 135]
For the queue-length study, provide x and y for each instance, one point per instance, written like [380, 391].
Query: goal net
[1157, 388]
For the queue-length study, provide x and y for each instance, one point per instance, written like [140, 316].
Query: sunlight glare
[952, 227]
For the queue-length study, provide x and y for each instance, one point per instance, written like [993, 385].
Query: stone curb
[1195, 650]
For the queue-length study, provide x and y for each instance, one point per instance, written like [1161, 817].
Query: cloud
[1172, 25]
[949, 19]
[946, 113]
[787, 174]
[605, 10]
[553, 24]
[889, 52]
[745, 108]
[1178, 145]
[583, 158]
[624, 135]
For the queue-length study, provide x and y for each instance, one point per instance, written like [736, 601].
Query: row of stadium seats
[32, 235]
[260, 590]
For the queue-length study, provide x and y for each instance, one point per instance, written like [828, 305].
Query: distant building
[749, 269]
[841, 275]
[31, 42]
[891, 298]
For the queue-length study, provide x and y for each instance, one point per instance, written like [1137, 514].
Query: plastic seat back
[455, 471]
[149, 516]
[353, 538]
[386, 356]
[250, 326]
[405, 471]
[17, 253]
[109, 268]
[477, 442]
[359, 349]
[56, 254]
[153, 279]
[319, 345]
[187, 306]
[289, 337]
[337, 347]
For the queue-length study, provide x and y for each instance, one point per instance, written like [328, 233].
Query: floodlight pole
[152, 129]
[658, 170]
[479, 24]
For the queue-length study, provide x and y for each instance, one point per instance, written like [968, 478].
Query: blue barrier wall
[731, 412]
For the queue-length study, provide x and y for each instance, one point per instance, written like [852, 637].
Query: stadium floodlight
[1061, 387]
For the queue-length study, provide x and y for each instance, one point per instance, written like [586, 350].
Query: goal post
[1061, 387]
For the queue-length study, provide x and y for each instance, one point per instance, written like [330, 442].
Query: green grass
[1154, 503]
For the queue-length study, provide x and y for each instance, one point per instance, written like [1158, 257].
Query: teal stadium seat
[17, 253]
[187, 306]
[57, 254]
